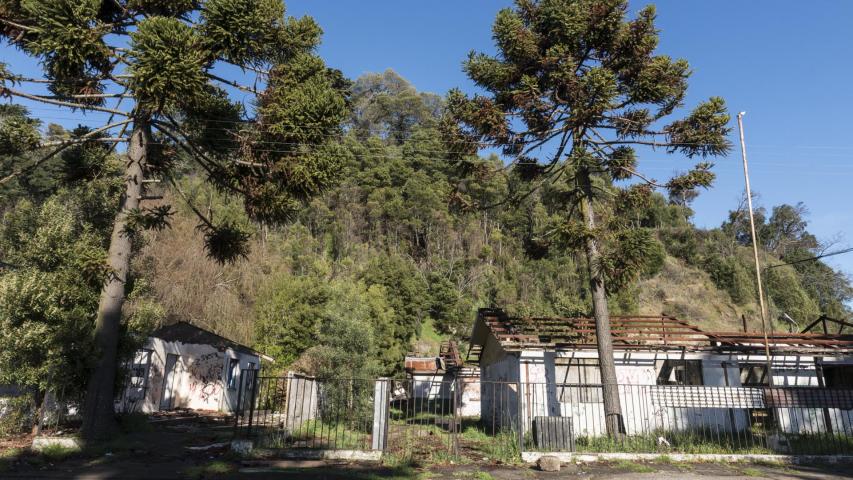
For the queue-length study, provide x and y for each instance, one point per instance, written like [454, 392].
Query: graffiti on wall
[205, 373]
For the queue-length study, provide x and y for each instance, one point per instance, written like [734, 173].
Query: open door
[169, 379]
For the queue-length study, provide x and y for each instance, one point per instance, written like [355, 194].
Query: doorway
[169, 380]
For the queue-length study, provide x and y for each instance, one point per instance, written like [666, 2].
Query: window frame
[233, 373]
[683, 371]
[763, 379]
[587, 387]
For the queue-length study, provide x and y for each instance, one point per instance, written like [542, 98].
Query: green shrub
[681, 243]
[785, 289]
[729, 274]
[16, 415]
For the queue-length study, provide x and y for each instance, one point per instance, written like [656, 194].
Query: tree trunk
[39, 397]
[99, 412]
[612, 407]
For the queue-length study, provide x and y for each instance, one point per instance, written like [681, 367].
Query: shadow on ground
[189, 445]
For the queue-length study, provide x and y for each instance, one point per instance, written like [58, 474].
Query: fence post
[237, 409]
[380, 414]
[520, 409]
[252, 404]
[457, 419]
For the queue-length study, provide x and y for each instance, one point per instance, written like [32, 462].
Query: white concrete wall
[637, 373]
[463, 387]
[432, 386]
[469, 401]
[199, 381]
[498, 388]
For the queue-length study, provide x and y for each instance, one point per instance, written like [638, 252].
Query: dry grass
[192, 287]
[689, 294]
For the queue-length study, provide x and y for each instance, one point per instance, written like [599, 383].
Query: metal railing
[303, 412]
[689, 419]
[440, 417]
[423, 417]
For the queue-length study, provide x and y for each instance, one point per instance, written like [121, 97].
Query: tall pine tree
[573, 89]
[153, 70]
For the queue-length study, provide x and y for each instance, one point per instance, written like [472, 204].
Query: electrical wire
[811, 259]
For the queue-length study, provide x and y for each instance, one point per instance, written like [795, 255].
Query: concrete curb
[311, 454]
[569, 457]
[40, 443]
[244, 447]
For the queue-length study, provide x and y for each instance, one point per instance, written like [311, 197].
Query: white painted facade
[166, 375]
[439, 385]
[537, 378]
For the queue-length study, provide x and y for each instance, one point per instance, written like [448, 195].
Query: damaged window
[579, 380]
[754, 375]
[233, 373]
[838, 376]
[139, 369]
[680, 372]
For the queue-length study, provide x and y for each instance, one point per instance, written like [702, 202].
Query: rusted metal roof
[640, 332]
[423, 364]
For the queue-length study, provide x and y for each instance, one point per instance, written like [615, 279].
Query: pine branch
[77, 141]
[62, 145]
[246, 67]
[189, 203]
[61, 103]
[233, 84]
[629, 170]
[197, 156]
[18, 25]
[174, 125]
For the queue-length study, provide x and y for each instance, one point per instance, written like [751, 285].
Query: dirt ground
[158, 449]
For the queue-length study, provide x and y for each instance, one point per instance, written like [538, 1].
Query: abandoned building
[665, 369]
[184, 366]
[445, 378]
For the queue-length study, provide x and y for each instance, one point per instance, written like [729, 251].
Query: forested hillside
[401, 252]
[404, 249]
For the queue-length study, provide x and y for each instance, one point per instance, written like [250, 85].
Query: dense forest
[398, 255]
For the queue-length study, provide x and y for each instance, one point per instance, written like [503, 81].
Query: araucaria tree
[154, 71]
[574, 88]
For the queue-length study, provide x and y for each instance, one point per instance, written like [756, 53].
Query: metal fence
[425, 418]
[688, 419]
[303, 412]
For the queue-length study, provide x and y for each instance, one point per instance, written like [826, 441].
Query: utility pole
[755, 248]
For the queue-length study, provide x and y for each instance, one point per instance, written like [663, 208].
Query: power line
[390, 131]
[811, 259]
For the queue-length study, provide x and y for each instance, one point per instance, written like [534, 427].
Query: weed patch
[635, 467]
[58, 452]
[212, 469]
[752, 472]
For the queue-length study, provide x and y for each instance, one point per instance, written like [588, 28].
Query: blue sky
[784, 63]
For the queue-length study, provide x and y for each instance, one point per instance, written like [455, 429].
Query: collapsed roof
[448, 359]
[638, 332]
